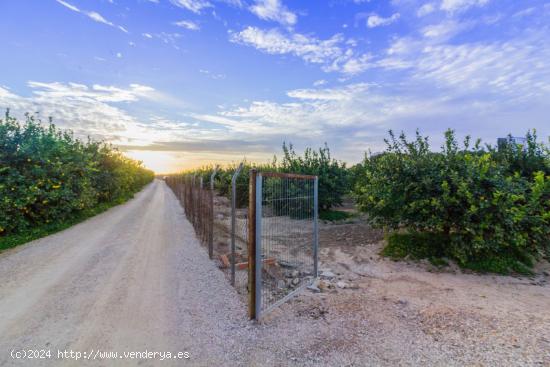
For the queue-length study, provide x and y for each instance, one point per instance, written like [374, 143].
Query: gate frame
[255, 240]
[234, 219]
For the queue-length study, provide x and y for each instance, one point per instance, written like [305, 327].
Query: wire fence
[283, 229]
[286, 239]
[220, 222]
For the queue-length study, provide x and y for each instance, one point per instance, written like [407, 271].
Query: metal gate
[283, 238]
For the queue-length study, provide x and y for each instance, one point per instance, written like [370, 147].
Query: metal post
[316, 227]
[211, 216]
[233, 220]
[258, 265]
[252, 244]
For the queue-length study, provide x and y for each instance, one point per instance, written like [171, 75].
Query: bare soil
[413, 313]
[135, 278]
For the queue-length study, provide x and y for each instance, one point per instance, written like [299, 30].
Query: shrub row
[333, 175]
[48, 176]
[487, 207]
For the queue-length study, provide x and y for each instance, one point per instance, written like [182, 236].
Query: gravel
[135, 278]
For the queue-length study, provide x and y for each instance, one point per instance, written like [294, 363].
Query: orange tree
[48, 176]
[487, 208]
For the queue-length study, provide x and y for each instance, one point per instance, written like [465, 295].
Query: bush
[479, 203]
[333, 176]
[47, 176]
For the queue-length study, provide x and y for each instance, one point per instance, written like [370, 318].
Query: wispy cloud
[196, 6]
[458, 6]
[425, 9]
[375, 20]
[274, 10]
[187, 24]
[334, 54]
[211, 74]
[95, 16]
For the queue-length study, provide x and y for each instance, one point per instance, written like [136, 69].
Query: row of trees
[48, 176]
[334, 177]
[487, 207]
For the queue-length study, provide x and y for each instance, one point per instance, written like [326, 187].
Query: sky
[183, 83]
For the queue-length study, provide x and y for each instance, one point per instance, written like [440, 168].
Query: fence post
[233, 220]
[316, 227]
[252, 243]
[258, 252]
[211, 219]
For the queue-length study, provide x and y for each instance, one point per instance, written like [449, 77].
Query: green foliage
[481, 203]
[334, 215]
[333, 177]
[414, 245]
[47, 177]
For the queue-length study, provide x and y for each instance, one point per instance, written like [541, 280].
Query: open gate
[282, 238]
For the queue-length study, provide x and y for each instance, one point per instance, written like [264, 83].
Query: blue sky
[181, 83]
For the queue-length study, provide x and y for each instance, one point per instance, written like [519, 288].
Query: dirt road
[135, 279]
[131, 279]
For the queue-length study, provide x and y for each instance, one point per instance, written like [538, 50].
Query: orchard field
[485, 207]
[50, 180]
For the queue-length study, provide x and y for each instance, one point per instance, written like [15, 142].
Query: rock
[285, 264]
[546, 273]
[323, 286]
[281, 284]
[402, 302]
[295, 281]
[295, 274]
[327, 275]
[313, 288]
[342, 285]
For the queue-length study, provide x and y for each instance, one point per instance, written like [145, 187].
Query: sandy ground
[131, 279]
[399, 313]
[135, 279]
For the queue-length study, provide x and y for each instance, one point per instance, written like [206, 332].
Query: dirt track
[131, 279]
[135, 279]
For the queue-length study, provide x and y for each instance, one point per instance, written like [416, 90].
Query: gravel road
[131, 279]
[135, 279]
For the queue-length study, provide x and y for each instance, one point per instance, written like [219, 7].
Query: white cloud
[329, 94]
[513, 69]
[65, 4]
[147, 35]
[375, 20]
[444, 31]
[333, 53]
[274, 10]
[196, 6]
[98, 111]
[458, 6]
[98, 18]
[95, 16]
[211, 74]
[319, 82]
[187, 24]
[425, 9]
[274, 42]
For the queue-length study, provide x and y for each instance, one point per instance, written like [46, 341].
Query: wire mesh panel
[286, 240]
[197, 204]
[230, 223]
